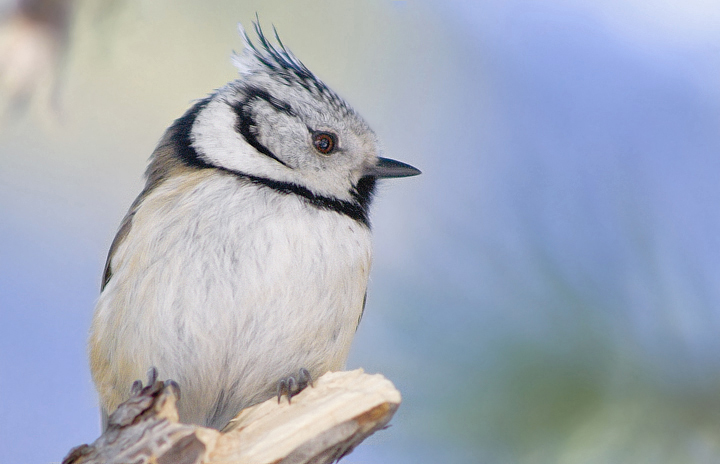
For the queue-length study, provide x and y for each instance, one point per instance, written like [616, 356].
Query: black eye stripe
[254, 93]
[246, 122]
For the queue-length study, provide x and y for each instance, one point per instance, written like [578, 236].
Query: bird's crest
[279, 62]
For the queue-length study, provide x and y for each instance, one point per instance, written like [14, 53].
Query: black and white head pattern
[280, 126]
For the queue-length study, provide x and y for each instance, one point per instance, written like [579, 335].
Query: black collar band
[356, 209]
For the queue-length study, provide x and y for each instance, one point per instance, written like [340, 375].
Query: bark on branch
[323, 424]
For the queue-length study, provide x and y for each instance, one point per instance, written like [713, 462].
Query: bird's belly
[227, 305]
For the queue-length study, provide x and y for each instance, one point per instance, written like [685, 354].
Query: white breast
[226, 287]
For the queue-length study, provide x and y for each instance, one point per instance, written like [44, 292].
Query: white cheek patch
[217, 141]
[215, 138]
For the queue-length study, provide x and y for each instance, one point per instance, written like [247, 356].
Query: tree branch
[323, 424]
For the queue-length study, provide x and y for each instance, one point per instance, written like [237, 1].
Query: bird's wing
[121, 235]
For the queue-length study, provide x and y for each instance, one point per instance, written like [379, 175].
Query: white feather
[247, 297]
[246, 62]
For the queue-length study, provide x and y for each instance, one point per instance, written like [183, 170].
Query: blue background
[546, 292]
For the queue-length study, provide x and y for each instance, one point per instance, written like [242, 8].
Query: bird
[241, 270]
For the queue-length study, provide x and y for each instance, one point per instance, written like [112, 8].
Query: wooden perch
[323, 424]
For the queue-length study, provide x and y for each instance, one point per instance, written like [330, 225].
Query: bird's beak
[385, 168]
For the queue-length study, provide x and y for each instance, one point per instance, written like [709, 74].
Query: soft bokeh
[548, 291]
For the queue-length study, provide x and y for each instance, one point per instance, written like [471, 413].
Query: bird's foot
[152, 385]
[294, 384]
[154, 398]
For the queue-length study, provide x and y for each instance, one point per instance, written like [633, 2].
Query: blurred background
[548, 291]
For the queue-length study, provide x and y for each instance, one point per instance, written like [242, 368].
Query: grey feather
[164, 163]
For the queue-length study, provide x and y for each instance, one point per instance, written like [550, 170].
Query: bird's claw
[294, 384]
[138, 389]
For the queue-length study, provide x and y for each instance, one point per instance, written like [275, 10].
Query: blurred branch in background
[33, 42]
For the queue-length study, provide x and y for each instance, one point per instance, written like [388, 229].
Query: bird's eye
[324, 142]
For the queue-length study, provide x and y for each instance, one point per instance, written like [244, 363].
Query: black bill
[386, 168]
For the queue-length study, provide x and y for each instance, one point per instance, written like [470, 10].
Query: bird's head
[280, 125]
